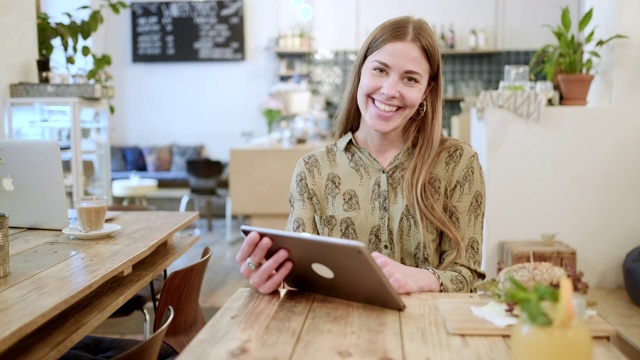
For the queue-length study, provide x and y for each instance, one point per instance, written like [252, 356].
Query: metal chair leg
[147, 323]
[227, 217]
[183, 203]
[153, 297]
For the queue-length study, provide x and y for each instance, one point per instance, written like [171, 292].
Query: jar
[4, 245]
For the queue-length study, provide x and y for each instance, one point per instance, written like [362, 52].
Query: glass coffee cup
[91, 212]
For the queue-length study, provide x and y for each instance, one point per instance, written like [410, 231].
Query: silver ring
[252, 266]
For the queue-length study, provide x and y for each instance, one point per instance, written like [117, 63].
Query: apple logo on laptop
[7, 183]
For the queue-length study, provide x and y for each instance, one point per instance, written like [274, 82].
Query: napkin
[495, 313]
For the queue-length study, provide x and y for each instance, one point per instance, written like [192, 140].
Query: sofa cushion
[134, 159]
[157, 158]
[182, 153]
[166, 179]
[117, 159]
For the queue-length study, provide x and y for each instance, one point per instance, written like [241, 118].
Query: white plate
[73, 216]
[107, 230]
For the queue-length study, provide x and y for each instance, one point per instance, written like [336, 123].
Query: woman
[390, 180]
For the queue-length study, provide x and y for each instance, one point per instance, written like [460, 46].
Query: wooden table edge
[45, 342]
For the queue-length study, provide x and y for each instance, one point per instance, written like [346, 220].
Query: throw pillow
[631, 274]
[158, 158]
[134, 159]
[183, 153]
[117, 159]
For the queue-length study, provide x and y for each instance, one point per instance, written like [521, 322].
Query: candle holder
[4, 245]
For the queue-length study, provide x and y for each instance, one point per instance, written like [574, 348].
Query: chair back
[181, 291]
[150, 348]
[203, 175]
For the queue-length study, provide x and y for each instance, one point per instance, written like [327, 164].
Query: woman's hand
[268, 274]
[406, 279]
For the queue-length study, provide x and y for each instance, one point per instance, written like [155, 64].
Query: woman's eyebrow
[406, 72]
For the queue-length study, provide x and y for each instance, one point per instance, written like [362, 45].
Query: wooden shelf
[469, 52]
[292, 73]
[285, 51]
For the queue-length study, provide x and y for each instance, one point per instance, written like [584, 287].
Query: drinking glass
[553, 342]
[92, 211]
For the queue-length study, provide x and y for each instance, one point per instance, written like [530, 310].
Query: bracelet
[434, 272]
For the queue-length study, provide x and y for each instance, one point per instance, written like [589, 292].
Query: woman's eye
[378, 70]
[412, 80]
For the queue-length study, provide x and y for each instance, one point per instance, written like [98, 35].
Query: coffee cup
[91, 211]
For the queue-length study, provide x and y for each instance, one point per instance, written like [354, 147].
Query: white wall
[18, 48]
[575, 171]
[214, 102]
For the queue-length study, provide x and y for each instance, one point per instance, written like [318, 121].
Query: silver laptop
[31, 184]
[333, 267]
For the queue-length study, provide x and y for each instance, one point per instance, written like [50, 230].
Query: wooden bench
[615, 306]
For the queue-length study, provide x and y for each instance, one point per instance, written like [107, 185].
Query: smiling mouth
[383, 107]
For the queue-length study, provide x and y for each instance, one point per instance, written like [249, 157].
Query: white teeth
[384, 107]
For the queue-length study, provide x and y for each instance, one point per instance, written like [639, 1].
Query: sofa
[166, 163]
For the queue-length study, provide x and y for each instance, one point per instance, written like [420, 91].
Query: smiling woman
[391, 180]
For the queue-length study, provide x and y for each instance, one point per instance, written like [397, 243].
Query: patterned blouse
[342, 191]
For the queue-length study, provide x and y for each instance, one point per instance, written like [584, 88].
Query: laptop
[332, 267]
[31, 184]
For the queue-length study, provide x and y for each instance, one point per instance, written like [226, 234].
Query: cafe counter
[259, 180]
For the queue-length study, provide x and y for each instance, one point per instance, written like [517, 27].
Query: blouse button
[385, 246]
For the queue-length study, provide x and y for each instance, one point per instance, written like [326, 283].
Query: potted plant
[569, 62]
[70, 33]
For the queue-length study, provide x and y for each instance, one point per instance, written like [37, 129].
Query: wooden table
[298, 325]
[61, 288]
[616, 307]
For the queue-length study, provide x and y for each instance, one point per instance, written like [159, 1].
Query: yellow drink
[551, 342]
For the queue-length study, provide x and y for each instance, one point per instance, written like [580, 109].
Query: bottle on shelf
[451, 37]
[443, 36]
[282, 39]
[482, 40]
[297, 39]
[473, 39]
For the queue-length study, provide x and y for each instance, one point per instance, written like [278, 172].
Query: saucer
[107, 230]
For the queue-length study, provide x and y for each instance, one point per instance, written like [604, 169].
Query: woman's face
[393, 83]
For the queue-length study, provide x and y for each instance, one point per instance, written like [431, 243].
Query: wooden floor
[221, 280]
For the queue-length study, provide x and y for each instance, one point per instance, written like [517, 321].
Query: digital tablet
[333, 267]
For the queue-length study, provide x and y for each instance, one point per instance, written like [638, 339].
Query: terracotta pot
[574, 88]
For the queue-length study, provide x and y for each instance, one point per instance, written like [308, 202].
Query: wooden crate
[558, 253]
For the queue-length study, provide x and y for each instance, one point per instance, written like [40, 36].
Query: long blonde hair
[423, 133]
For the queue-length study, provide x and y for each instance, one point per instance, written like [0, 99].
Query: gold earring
[422, 108]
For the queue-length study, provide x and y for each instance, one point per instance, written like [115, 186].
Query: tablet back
[333, 267]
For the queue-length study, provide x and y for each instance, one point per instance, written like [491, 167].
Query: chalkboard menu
[187, 31]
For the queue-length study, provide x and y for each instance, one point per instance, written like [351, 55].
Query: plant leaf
[586, 19]
[589, 37]
[566, 19]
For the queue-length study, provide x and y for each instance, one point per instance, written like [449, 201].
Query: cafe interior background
[573, 171]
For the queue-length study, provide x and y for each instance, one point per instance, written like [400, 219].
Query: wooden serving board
[459, 320]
